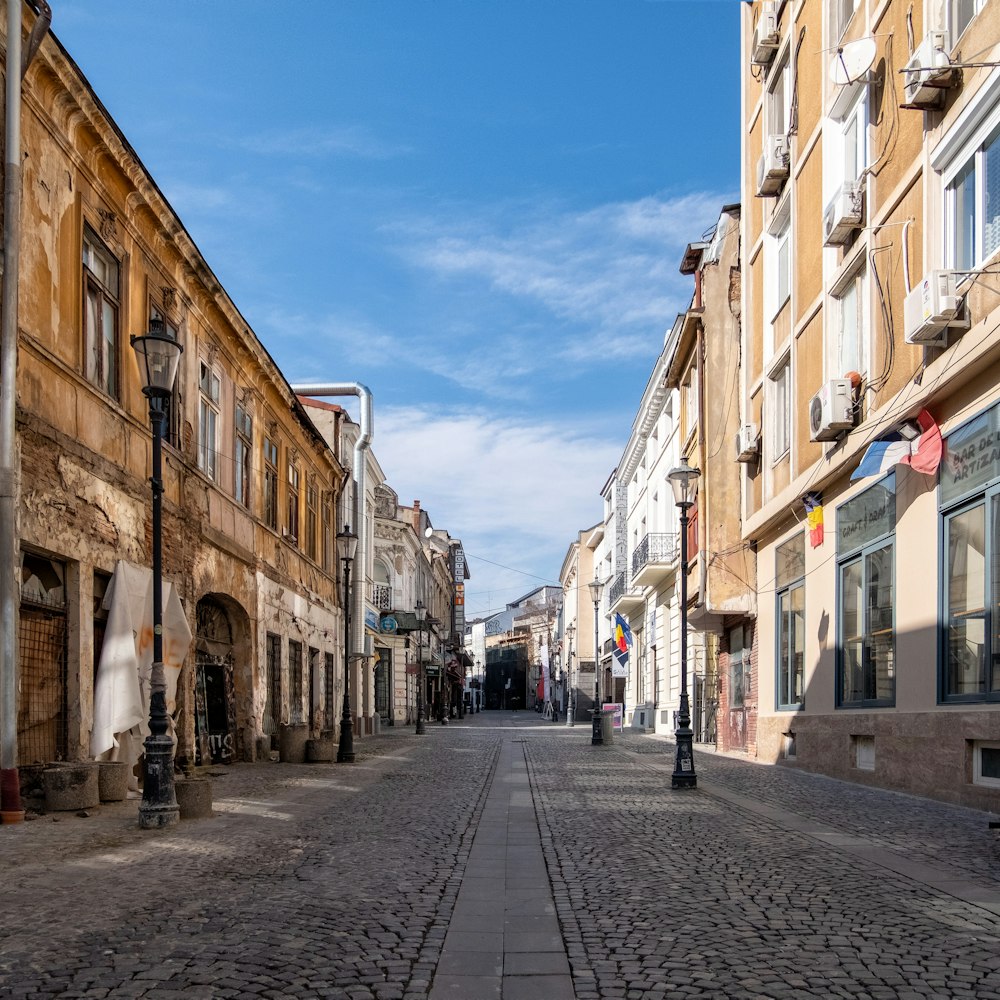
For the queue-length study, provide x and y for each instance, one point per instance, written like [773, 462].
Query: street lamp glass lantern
[596, 586]
[158, 356]
[420, 610]
[683, 480]
[347, 544]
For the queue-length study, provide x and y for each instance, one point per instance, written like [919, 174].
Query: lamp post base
[597, 730]
[159, 806]
[345, 749]
[684, 776]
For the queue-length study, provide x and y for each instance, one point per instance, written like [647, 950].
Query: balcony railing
[382, 596]
[655, 548]
[617, 589]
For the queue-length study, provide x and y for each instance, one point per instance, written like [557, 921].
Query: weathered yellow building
[870, 305]
[251, 487]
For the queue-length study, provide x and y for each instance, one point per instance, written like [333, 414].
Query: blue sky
[475, 207]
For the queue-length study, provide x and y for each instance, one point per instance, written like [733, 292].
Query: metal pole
[9, 487]
[684, 776]
[571, 690]
[420, 681]
[159, 803]
[597, 729]
[345, 749]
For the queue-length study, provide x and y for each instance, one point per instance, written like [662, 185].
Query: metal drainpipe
[10, 792]
[360, 512]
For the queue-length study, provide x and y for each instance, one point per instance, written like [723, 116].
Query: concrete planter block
[112, 780]
[263, 748]
[292, 743]
[69, 787]
[194, 796]
[321, 751]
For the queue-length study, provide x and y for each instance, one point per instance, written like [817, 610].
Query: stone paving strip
[504, 857]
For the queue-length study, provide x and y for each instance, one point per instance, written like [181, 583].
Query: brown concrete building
[250, 485]
[870, 305]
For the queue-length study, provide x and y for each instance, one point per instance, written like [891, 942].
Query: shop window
[790, 596]
[865, 630]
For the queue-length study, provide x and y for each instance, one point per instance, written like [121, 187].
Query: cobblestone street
[381, 880]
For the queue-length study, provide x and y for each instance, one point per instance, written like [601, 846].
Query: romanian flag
[813, 503]
[623, 639]
[923, 453]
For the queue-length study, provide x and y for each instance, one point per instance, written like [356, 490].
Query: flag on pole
[622, 639]
[813, 503]
[923, 453]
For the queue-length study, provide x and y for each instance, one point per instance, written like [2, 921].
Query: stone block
[69, 787]
[194, 796]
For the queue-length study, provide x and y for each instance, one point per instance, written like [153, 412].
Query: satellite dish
[428, 532]
[852, 61]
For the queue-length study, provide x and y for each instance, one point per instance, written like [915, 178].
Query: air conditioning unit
[747, 443]
[766, 37]
[931, 308]
[929, 72]
[844, 215]
[772, 168]
[831, 410]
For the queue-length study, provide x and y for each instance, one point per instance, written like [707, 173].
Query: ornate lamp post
[158, 356]
[421, 612]
[597, 732]
[683, 479]
[479, 686]
[347, 546]
[570, 687]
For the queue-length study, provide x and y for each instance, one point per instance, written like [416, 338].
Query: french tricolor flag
[923, 453]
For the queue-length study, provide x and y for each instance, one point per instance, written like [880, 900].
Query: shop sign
[971, 456]
[868, 516]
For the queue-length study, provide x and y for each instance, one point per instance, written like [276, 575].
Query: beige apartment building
[871, 322]
[250, 486]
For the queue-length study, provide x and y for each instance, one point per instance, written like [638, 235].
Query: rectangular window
[960, 14]
[972, 563]
[850, 353]
[843, 11]
[209, 386]
[972, 199]
[295, 681]
[272, 692]
[866, 639]
[783, 276]
[779, 98]
[327, 528]
[329, 699]
[739, 667]
[244, 456]
[312, 516]
[293, 502]
[781, 415]
[270, 484]
[101, 278]
[791, 611]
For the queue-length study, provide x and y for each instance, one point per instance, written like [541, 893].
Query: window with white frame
[841, 13]
[779, 96]
[960, 15]
[692, 400]
[777, 273]
[855, 139]
[210, 388]
[780, 387]
[972, 202]
[849, 347]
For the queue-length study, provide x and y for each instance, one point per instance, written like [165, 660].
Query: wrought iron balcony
[623, 595]
[653, 556]
[382, 596]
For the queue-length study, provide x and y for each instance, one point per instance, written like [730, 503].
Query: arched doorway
[215, 693]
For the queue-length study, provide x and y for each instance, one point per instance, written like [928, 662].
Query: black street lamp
[597, 732]
[683, 480]
[570, 687]
[347, 546]
[158, 356]
[421, 612]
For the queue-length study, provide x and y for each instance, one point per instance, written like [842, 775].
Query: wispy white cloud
[516, 491]
[609, 271]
